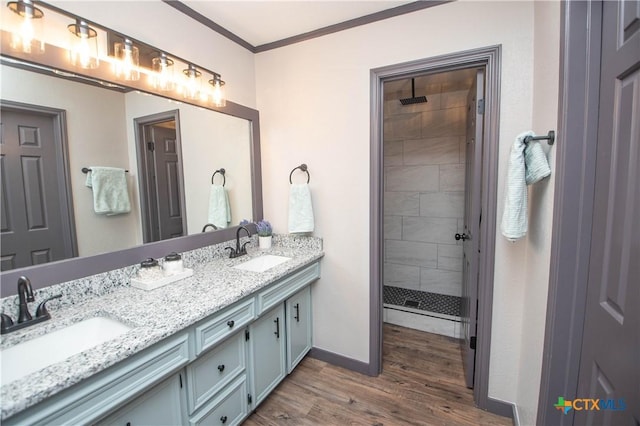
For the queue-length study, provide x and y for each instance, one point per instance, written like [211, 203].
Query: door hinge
[151, 146]
[246, 334]
[472, 342]
[249, 399]
[180, 380]
[480, 106]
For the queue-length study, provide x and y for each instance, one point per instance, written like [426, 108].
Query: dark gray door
[35, 217]
[471, 234]
[162, 195]
[610, 361]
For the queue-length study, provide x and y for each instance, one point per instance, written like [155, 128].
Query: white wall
[538, 242]
[93, 140]
[161, 26]
[314, 102]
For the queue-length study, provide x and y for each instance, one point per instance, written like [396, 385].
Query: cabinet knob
[231, 323]
[221, 368]
[128, 423]
[223, 419]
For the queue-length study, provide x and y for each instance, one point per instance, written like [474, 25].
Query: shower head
[413, 99]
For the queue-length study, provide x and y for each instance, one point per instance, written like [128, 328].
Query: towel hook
[551, 138]
[222, 172]
[302, 167]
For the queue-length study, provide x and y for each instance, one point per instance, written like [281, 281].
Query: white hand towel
[300, 209]
[219, 208]
[514, 218]
[110, 192]
[535, 162]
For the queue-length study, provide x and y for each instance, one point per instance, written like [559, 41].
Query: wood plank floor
[422, 384]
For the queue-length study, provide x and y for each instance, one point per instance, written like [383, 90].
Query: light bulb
[162, 77]
[217, 96]
[126, 68]
[192, 84]
[27, 34]
[84, 45]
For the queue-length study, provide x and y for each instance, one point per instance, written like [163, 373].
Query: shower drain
[411, 303]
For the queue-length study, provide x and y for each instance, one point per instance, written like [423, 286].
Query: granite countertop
[154, 315]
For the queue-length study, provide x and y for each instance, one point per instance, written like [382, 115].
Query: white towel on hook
[219, 208]
[535, 163]
[300, 209]
[514, 218]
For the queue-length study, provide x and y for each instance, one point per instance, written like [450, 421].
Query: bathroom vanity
[204, 350]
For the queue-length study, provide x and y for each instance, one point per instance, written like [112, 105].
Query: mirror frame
[79, 267]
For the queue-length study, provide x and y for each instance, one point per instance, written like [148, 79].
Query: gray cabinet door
[268, 354]
[159, 406]
[610, 361]
[298, 327]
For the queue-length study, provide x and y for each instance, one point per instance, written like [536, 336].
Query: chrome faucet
[204, 228]
[25, 295]
[239, 250]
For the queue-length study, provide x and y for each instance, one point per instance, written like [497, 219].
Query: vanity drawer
[279, 292]
[223, 324]
[215, 369]
[229, 408]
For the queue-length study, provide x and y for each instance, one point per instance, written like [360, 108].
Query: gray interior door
[471, 233]
[610, 361]
[163, 197]
[35, 217]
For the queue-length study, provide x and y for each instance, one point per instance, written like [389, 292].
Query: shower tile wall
[424, 157]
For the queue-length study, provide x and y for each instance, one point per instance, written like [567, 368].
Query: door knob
[462, 237]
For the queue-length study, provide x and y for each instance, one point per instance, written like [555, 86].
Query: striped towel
[514, 218]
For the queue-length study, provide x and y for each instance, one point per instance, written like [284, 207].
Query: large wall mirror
[173, 152]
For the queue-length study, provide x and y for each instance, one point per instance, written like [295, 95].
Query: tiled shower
[424, 172]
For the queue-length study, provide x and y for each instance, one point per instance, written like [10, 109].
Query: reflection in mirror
[94, 126]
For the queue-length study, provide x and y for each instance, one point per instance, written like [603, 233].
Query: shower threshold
[422, 300]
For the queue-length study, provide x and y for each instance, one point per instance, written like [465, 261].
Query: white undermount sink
[35, 354]
[262, 263]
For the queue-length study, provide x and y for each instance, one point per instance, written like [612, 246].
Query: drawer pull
[221, 368]
[223, 419]
[277, 332]
[297, 317]
[231, 323]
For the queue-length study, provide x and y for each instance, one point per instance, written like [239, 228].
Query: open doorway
[475, 237]
[161, 176]
[432, 133]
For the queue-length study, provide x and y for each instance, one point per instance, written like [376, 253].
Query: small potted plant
[264, 234]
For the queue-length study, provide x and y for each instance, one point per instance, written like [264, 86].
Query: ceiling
[262, 22]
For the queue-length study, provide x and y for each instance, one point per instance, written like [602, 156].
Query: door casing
[488, 58]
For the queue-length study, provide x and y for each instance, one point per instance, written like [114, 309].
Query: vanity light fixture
[191, 88]
[217, 97]
[84, 45]
[127, 61]
[26, 35]
[162, 76]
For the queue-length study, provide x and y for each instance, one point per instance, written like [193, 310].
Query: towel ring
[222, 172]
[302, 167]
